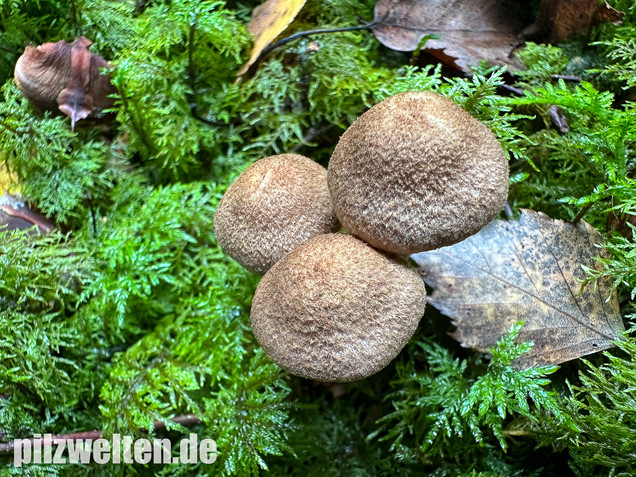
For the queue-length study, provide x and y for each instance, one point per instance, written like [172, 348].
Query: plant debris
[268, 21]
[468, 31]
[530, 270]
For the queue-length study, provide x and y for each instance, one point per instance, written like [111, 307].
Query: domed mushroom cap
[417, 172]
[275, 205]
[336, 310]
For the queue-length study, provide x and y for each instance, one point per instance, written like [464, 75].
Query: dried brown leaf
[268, 21]
[469, 30]
[559, 19]
[14, 214]
[528, 270]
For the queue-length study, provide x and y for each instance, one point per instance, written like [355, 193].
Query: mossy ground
[130, 313]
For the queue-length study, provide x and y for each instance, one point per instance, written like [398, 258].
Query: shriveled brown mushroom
[334, 309]
[417, 172]
[65, 77]
[275, 205]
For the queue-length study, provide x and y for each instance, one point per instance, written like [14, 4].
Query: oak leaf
[268, 21]
[529, 270]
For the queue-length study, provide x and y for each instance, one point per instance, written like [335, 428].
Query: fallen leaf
[8, 182]
[14, 214]
[559, 19]
[75, 100]
[527, 270]
[469, 30]
[558, 119]
[268, 21]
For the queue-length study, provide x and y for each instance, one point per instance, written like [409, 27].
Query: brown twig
[302, 34]
[10, 50]
[570, 78]
[184, 420]
[512, 89]
[582, 213]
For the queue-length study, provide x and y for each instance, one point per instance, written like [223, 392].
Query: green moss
[134, 315]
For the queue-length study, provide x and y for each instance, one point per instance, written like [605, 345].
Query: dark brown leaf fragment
[559, 121]
[14, 214]
[65, 77]
[559, 19]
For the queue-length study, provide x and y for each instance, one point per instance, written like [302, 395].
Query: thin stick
[582, 213]
[570, 78]
[10, 50]
[184, 420]
[302, 34]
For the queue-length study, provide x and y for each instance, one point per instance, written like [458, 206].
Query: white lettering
[101, 451]
[188, 449]
[207, 451]
[143, 451]
[79, 452]
[21, 452]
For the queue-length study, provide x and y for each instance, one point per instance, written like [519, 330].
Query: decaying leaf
[559, 19]
[7, 180]
[14, 214]
[528, 270]
[268, 21]
[73, 100]
[469, 30]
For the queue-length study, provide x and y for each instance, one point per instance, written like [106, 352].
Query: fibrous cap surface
[416, 172]
[275, 205]
[336, 310]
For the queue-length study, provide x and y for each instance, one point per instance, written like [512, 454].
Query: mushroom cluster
[414, 173]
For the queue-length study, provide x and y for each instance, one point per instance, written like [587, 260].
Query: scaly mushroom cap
[336, 310]
[275, 205]
[416, 172]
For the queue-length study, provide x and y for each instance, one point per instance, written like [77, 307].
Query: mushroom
[336, 310]
[275, 205]
[416, 172]
[65, 77]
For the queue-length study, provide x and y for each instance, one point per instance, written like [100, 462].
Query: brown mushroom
[275, 205]
[336, 310]
[417, 172]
